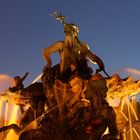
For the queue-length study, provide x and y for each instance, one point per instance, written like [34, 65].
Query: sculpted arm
[51, 49]
[24, 77]
[93, 58]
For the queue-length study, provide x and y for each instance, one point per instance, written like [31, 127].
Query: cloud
[132, 71]
[5, 82]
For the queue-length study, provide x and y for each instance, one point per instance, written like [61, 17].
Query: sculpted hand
[102, 69]
[27, 73]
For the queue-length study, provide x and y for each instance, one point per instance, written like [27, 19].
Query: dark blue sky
[110, 27]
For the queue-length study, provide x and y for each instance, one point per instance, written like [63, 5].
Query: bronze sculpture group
[73, 95]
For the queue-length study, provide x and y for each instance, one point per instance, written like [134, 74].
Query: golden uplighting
[121, 91]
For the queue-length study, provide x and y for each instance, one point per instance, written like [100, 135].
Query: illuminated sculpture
[71, 100]
[73, 52]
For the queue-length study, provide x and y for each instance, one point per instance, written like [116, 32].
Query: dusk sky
[110, 27]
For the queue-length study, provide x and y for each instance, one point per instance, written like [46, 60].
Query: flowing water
[9, 113]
